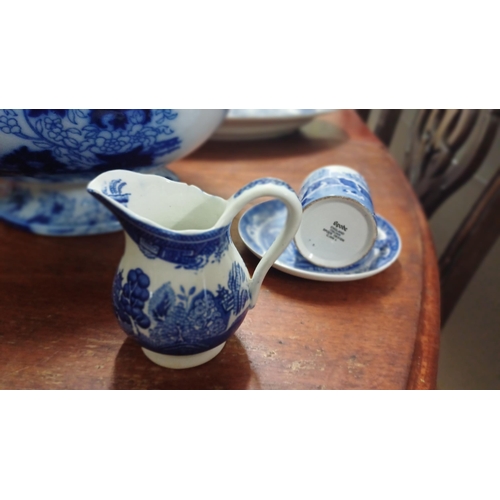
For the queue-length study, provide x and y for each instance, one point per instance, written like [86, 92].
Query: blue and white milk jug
[182, 288]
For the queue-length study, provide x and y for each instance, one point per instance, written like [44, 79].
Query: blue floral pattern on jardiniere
[85, 140]
[47, 157]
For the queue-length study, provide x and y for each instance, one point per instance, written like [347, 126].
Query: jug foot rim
[182, 362]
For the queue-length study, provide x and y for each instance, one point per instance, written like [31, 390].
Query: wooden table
[58, 330]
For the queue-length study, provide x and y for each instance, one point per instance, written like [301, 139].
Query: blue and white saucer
[260, 225]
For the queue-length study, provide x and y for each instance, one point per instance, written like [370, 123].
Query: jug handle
[277, 189]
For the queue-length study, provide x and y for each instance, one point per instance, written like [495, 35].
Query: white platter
[254, 124]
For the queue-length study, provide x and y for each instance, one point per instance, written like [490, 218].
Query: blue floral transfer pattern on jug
[186, 252]
[180, 321]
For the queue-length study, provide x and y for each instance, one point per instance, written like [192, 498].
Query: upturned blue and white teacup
[338, 223]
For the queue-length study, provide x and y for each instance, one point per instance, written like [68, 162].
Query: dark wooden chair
[444, 150]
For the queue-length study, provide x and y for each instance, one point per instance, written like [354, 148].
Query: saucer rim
[318, 276]
[276, 118]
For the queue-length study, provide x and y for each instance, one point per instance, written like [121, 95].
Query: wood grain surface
[58, 330]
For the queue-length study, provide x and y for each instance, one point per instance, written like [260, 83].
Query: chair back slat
[445, 149]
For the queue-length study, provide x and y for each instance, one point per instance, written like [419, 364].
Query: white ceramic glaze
[182, 288]
[338, 224]
[255, 124]
[259, 226]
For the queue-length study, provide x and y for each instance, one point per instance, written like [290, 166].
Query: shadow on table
[316, 136]
[365, 291]
[229, 370]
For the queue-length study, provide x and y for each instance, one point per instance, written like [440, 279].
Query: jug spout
[157, 202]
[111, 194]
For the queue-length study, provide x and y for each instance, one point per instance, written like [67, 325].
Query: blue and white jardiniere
[338, 225]
[47, 157]
[182, 288]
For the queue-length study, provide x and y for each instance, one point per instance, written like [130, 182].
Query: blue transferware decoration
[259, 226]
[336, 181]
[182, 289]
[47, 157]
[338, 226]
